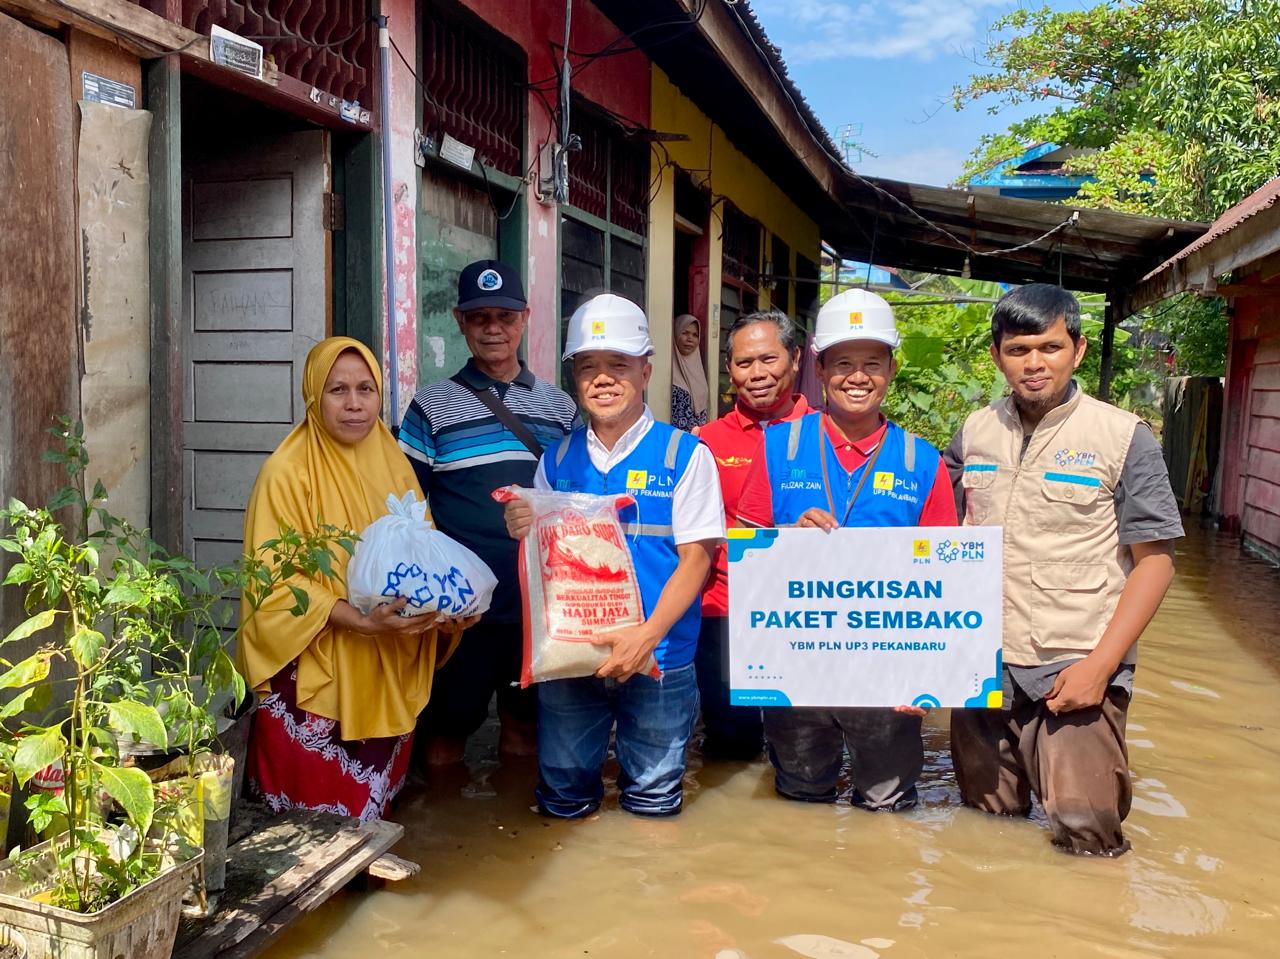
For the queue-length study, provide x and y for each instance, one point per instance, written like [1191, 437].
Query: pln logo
[883, 481]
[920, 550]
[597, 329]
[964, 551]
[637, 479]
[855, 319]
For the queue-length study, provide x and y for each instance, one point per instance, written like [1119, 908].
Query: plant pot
[142, 925]
[234, 741]
[12, 944]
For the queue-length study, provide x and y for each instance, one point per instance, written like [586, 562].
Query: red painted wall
[1251, 432]
[619, 83]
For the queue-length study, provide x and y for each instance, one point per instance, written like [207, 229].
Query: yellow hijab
[374, 686]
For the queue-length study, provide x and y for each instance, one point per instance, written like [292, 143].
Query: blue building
[1035, 175]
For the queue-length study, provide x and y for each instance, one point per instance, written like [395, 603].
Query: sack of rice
[577, 580]
[403, 555]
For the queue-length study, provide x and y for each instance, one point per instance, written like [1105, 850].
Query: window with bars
[742, 241]
[473, 88]
[807, 290]
[602, 230]
[328, 44]
[780, 258]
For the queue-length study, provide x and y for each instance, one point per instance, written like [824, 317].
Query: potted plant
[138, 654]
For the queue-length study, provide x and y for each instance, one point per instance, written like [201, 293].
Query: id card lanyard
[867, 468]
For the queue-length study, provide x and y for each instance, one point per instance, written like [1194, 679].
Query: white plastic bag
[578, 581]
[403, 555]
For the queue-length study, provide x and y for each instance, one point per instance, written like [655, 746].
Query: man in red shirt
[763, 351]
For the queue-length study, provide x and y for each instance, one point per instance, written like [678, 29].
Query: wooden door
[256, 278]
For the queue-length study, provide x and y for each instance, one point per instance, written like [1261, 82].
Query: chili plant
[136, 645]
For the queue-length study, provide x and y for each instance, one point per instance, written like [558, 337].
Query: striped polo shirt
[462, 453]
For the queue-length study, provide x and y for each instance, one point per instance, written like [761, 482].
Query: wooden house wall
[1251, 466]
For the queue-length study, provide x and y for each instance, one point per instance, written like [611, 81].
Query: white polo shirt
[697, 512]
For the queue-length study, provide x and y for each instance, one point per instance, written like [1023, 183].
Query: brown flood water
[742, 874]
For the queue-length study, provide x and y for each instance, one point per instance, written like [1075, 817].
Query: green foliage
[944, 368]
[103, 620]
[1180, 99]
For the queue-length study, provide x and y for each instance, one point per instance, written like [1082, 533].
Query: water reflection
[744, 875]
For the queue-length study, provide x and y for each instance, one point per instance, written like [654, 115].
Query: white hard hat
[608, 322]
[855, 315]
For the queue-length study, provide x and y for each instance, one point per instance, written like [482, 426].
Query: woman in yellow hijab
[340, 690]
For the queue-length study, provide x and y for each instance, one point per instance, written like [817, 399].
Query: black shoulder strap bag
[504, 415]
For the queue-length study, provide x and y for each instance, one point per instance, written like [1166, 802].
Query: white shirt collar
[605, 459]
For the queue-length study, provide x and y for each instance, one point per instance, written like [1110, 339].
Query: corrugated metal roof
[1262, 199]
[774, 54]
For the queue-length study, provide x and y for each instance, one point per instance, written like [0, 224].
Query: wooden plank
[135, 27]
[1252, 290]
[272, 868]
[1264, 433]
[164, 100]
[1260, 494]
[382, 836]
[1261, 526]
[147, 35]
[39, 267]
[1266, 377]
[393, 868]
[1265, 403]
[1268, 350]
[1264, 464]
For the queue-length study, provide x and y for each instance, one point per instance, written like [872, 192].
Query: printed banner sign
[865, 617]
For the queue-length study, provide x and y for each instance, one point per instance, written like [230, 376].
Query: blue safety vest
[649, 473]
[893, 495]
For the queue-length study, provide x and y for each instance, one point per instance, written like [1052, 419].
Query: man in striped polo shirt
[466, 436]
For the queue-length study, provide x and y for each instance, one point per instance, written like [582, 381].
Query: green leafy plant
[140, 654]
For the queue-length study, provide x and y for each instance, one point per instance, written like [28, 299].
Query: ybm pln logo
[965, 551]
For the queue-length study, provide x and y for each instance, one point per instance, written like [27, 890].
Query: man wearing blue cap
[483, 428]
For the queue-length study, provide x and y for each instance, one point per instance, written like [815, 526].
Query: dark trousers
[730, 732]
[1077, 763]
[807, 747]
[487, 661]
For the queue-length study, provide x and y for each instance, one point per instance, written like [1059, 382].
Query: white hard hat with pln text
[855, 315]
[608, 322]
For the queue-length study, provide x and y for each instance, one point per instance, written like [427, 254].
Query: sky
[891, 66]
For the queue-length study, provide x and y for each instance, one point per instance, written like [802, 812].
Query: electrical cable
[611, 48]
[880, 191]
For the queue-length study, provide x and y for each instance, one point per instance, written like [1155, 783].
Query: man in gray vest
[1089, 521]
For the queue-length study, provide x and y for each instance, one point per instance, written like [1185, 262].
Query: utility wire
[880, 191]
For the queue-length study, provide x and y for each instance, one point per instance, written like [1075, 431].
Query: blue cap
[490, 283]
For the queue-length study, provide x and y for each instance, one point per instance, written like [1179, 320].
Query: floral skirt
[297, 761]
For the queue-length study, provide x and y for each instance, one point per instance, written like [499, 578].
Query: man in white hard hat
[848, 466]
[672, 532]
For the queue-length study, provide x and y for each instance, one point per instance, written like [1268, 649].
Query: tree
[1178, 101]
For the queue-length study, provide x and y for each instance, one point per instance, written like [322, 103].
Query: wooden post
[164, 100]
[1109, 320]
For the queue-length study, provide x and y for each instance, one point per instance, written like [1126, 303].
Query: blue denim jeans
[654, 719]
